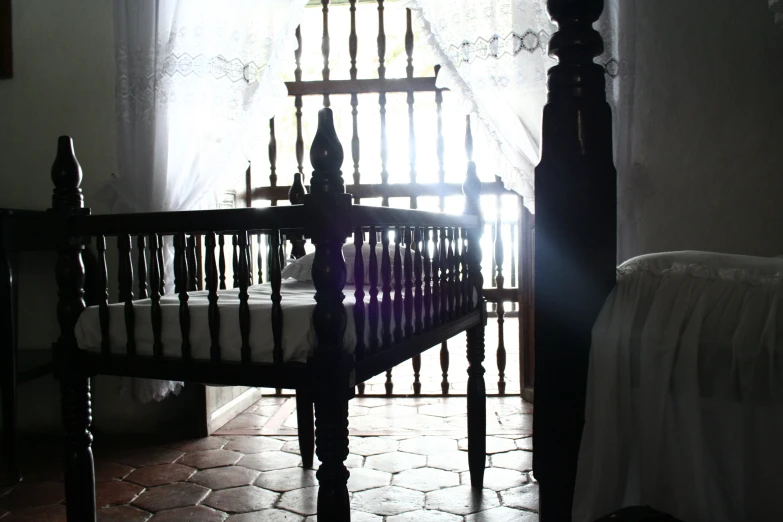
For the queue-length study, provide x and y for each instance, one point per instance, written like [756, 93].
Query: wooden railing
[506, 298]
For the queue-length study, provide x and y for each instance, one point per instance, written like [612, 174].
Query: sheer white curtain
[493, 55]
[196, 84]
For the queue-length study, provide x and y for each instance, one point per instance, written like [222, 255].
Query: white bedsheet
[685, 391]
[298, 337]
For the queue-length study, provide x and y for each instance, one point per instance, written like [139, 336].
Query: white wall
[63, 84]
[708, 130]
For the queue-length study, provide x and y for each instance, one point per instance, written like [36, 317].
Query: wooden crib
[412, 302]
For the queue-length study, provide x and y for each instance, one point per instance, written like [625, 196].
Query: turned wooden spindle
[181, 289]
[244, 308]
[155, 312]
[296, 195]
[501, 310]
[373, 309]
[235, 259]
[386, 302]
[576, 218]
[141, 266]
[417, 275]
[222, 261]
[408, 276]
[325, 46]
[74, 384]
[272, 153]
[275, 280]
[103, 306]
[425, 246]
[398, 285]
[329, 209]
[213, 312]
[458, 275]
[126, 291]
[435, 279]
[191, 249]
[161, 264]
[445, 270]
[358, 278]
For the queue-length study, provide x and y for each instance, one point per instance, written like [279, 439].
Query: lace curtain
[196, 84]
[493, 56]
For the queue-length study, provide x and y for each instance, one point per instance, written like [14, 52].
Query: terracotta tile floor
[404, 474]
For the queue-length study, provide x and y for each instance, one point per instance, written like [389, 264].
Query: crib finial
[66, 176]
[297, 191]
[326, 156]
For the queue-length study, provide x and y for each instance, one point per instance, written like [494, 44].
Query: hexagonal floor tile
[395, 462]
[241, 500]
[428, 445]
[108, 471]
[54, 513]
[525, 444]
[494, 445]
[426, 479]
[445, 409]
[29, 495]
[191, 514]
[369, 423]
[362, 479]
[418, 423]
[250, 445]
[226, 477]
[122, 514]
[462, 500]
[388, 500]
[270, 460]
[451, 461]
[303, 501]
[210, 458]
[498, 479]
[502, 514]
[523, 497]
[245, 421]
[149, 456]
[207, 443]
[522, 423]
[424, 515]
[179, 494]
[390, 411]
[517, 459]
[267, 515]
[356, 516]
[367, 446]
[115, 493]
[160, 474]
[287, 479]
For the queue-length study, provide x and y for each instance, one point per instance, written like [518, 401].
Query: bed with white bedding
[685, 391]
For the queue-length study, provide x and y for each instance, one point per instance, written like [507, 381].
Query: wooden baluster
[439, 143]
[235, 263]
[126, 291]
[358, 308]
[181, 288]
[161, 264]
[408, 275]
[155, 312]
[425, 245]
[244, 307]
[457, 273]
[352, 49]
[373, 308]
[411, 128]
[325, 47]
[477, 396]
[444, 367]
[141, 266]
[450, 264]
[222, 261]
[213, 312]
[199, 263]
[382, 102]
[277, 310]
[272, 150]
[386, 302]
[499, 280]
[445, 288]
[435, 279]
[465, 291]
[398, 285]
[417, 273]
[298, 104]
[103, 307]
[258, 260]
[192, 277]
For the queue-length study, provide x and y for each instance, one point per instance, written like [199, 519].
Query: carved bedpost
[477, 393]
[328, 216]
[74, 385]
[575, 255]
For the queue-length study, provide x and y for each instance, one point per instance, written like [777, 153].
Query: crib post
[329, 223]
[74, 384]
[575, 254]
[477, 393]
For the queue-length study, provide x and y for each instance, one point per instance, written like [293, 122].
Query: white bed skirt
[685, 391]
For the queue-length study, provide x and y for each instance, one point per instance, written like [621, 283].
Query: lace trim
[699, 271]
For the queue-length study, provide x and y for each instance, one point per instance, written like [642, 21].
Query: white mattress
[298, 337]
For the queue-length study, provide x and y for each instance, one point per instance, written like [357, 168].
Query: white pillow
[299, 270]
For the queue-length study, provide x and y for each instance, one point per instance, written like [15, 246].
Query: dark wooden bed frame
[327, 216]
[575, 260]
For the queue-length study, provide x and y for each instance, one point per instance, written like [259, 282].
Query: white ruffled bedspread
[685, 391]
